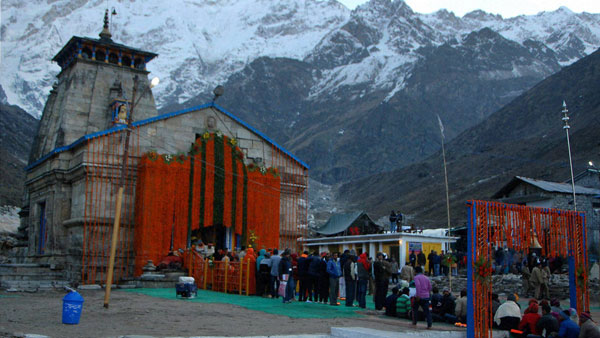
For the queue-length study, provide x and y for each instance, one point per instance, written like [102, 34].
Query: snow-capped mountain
[571, 36]
[200, 43]
[350, 92]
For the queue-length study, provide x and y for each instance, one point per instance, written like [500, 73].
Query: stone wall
[510, 283]
[584, 204]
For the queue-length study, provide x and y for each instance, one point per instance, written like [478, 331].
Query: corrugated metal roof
[340, 222]
[559, 187]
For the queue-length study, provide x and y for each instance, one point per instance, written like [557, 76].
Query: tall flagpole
[447, 195]
[445, 172]
[566, 128]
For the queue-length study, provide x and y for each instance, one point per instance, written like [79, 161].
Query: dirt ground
[136, 314]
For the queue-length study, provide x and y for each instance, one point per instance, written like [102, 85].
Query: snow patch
[9, 219]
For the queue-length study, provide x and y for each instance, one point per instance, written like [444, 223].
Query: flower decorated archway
[210, 186]
[560, 232]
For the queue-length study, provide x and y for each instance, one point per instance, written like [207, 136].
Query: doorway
[42, 229]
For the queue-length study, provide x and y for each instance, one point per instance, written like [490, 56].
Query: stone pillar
[380, 247]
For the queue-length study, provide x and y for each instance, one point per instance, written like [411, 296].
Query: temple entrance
[215, 235]
[555, 233]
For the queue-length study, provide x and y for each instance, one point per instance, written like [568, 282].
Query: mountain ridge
[524, 138]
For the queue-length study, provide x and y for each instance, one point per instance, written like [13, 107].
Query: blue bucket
[72, 306]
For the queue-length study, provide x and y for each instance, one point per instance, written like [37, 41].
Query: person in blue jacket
[568, 328]
[334, 271]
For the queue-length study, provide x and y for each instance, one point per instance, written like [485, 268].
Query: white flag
[441, 126]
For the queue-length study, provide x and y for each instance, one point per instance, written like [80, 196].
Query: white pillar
[372, 251]
[380, 247]
[353, 247]
[345, 247]
[322, 248]
[402, 248]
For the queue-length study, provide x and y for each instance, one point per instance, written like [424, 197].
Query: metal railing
[222, 276]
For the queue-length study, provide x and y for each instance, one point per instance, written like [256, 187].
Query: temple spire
[105, 34]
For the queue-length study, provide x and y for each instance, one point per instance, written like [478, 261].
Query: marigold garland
[581, 276]
[152, 155]
[180, 157]
[221, 190]
[483, 270]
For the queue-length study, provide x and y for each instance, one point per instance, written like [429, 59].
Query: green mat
[268, 305]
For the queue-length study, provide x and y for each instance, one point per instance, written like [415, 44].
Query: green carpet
[273, 306]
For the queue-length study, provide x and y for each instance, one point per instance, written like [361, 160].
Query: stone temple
[77, 164]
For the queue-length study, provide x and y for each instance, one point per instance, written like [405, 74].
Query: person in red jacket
[530, 319]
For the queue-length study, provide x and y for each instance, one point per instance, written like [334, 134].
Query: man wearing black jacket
[313, 277]
[349, 272]
[430, 259]
[286, 275]
[382, 278]
[342, 281]
[303, 263]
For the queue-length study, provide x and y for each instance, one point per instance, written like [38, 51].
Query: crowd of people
[347, 278]
[542, 319]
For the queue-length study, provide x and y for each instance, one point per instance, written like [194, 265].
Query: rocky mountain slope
[523, 138]
[17, 131]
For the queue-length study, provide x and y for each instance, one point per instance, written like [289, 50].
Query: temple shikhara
[196, 174]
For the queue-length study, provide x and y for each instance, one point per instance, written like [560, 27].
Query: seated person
[547, 322]
[448, 306]
[390, 303]
[568, 328]
[436, 305]
[495, 303]
[461, 307]
[530, 319]
[172, 261]
[508, 315]
[403, 304]
[588, 327]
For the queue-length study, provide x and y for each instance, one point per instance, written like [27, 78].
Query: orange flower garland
[163, 202]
